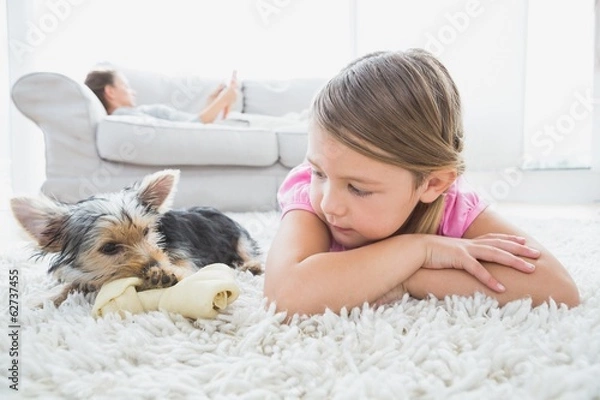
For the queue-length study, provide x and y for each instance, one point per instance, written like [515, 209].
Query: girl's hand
[443, 252]
[393, 295]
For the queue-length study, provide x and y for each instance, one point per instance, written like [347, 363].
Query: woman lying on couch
[118, 98]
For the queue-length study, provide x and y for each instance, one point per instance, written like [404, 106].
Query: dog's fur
[132, 233]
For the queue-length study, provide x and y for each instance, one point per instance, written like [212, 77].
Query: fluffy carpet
[463, 348]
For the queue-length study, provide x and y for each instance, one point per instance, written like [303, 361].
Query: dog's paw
[86, 287]
[253, 266]
[155, 277]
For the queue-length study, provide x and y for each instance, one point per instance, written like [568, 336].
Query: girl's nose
[332, 203]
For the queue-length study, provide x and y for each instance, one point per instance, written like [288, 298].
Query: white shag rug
[462, 348]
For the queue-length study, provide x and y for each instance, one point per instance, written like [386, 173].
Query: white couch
[231, 167]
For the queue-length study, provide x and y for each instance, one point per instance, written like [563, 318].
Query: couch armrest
[67, 112]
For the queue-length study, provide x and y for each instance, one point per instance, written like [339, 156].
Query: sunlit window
[525, 69]
[559, 84]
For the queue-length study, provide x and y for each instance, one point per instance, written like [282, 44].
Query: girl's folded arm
[548, 280]
[303, 277]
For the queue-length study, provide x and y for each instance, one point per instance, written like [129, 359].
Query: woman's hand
[233, 86]
[443, 252]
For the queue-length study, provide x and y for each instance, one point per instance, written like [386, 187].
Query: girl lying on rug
[380, 208]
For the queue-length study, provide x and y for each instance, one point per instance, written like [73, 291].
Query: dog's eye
[110, 249]
[146, 230]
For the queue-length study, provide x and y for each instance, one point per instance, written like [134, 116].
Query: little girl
[380, 209]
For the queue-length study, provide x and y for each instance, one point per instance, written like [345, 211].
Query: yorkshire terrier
[132, 233]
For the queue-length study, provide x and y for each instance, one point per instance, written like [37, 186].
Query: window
[559, 84]
[482, 45]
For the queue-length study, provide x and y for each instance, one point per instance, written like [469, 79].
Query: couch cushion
[291, 133]
[292, 145]
[278, 98]
[149, 141]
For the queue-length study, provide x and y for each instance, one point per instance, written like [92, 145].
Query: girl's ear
[436, 183]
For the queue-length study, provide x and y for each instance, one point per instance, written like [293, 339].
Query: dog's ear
[158, 190]
[42, 219]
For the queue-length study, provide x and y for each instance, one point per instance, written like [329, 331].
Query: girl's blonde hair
[400, 108]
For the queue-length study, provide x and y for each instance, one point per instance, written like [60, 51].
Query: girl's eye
[110, 249]
[358, 192]
[317, 174]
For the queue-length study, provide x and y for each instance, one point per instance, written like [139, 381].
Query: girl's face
[360, 199]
